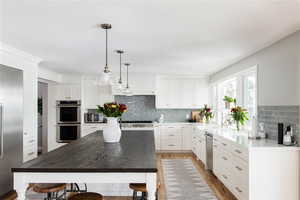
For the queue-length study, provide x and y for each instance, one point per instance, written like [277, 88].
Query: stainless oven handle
[68, 105]
[1, 131]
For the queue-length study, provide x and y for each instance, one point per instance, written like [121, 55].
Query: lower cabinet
[29, 148]
[231, 169]
[199, 144]
[91, 128]
[176, 137]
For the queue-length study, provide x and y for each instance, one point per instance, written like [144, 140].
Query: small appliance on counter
[288, 138]
[261, 131]
[93, 118]
[280, 133]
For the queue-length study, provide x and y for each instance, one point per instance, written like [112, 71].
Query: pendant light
[120, 82]
[127, 90]
[106, 76]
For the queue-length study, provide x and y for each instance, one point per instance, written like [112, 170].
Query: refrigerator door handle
[1, 130]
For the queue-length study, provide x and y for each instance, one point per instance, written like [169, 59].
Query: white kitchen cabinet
[187, 134]
[94, 94]
[87, 129]
[171, 138]
[181, 93]
[157, 138]
[29, 147]
[231, 166]
[68, 92]
[139, 84]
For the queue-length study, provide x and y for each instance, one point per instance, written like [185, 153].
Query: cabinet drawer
[225, 159]
[241, 181]
[172, 144]
[29, 154]
[240, 152]
[171, 136]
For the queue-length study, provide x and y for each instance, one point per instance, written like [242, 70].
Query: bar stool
[87, 196]
[52, 190]
[12, 195]
[141, 187]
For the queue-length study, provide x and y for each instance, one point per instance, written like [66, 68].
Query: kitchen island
[90, 160]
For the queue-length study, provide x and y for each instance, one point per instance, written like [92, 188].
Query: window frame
[240, 93]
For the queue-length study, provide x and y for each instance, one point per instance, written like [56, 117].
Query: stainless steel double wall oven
[68, 115]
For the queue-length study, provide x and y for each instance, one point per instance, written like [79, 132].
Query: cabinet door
[162, 97]
[105, 95]
[63, 92]
[75, 92]
[187, 132]
[157, 138]
[91, 94]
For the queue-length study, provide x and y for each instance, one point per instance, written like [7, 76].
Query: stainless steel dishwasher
[209, 151]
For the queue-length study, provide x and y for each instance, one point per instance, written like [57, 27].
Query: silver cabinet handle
[30, 154]
[224, 158]
[224, 176]
[25, 133]
[171, 135]
[31, 141]
[215, 146]
[224, 144]
[238, 168]
[1, 130]
[237, 151]
[171, 145]
[238, 189]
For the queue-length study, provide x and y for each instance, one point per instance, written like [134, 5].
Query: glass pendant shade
[127, 92]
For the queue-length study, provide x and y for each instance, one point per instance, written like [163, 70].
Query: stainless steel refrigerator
[11, 124]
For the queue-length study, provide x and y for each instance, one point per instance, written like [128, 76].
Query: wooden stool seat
[87, 196]
[12, 195]
[139, 187]
[48, 187]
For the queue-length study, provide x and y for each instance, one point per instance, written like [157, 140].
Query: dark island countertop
[134, 153]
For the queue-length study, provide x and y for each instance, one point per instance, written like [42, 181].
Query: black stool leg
[134, 195]
[144, 196]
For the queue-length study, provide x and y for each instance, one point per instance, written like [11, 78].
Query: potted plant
[228, 100]
[112, 111]
[206, 113]
[239, 115]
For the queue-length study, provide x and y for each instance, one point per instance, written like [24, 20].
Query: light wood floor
[217, 187]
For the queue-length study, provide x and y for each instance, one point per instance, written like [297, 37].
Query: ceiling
[164, 36]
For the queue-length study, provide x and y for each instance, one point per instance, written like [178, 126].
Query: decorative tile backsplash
[272, 115]
[142, 107]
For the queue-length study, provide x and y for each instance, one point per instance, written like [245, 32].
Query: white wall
[15, 58]
[277, 71]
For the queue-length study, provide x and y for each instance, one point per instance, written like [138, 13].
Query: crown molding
[9, 50]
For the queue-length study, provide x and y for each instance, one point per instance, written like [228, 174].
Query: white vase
[112, 131]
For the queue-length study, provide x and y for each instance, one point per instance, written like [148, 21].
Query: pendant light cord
[127, 78]
[120, 67]
[106, 48]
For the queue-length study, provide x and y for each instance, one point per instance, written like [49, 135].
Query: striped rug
[184, 182]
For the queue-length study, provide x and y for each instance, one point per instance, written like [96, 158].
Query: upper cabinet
[68, 92]
[139, 83]
[181, 93]
[94, 94]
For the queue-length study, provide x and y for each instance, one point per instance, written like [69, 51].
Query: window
[241, 86]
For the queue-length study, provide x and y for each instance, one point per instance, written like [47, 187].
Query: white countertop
[241, 138]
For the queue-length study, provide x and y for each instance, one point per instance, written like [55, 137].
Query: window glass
[250, 94]
[243, 87]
